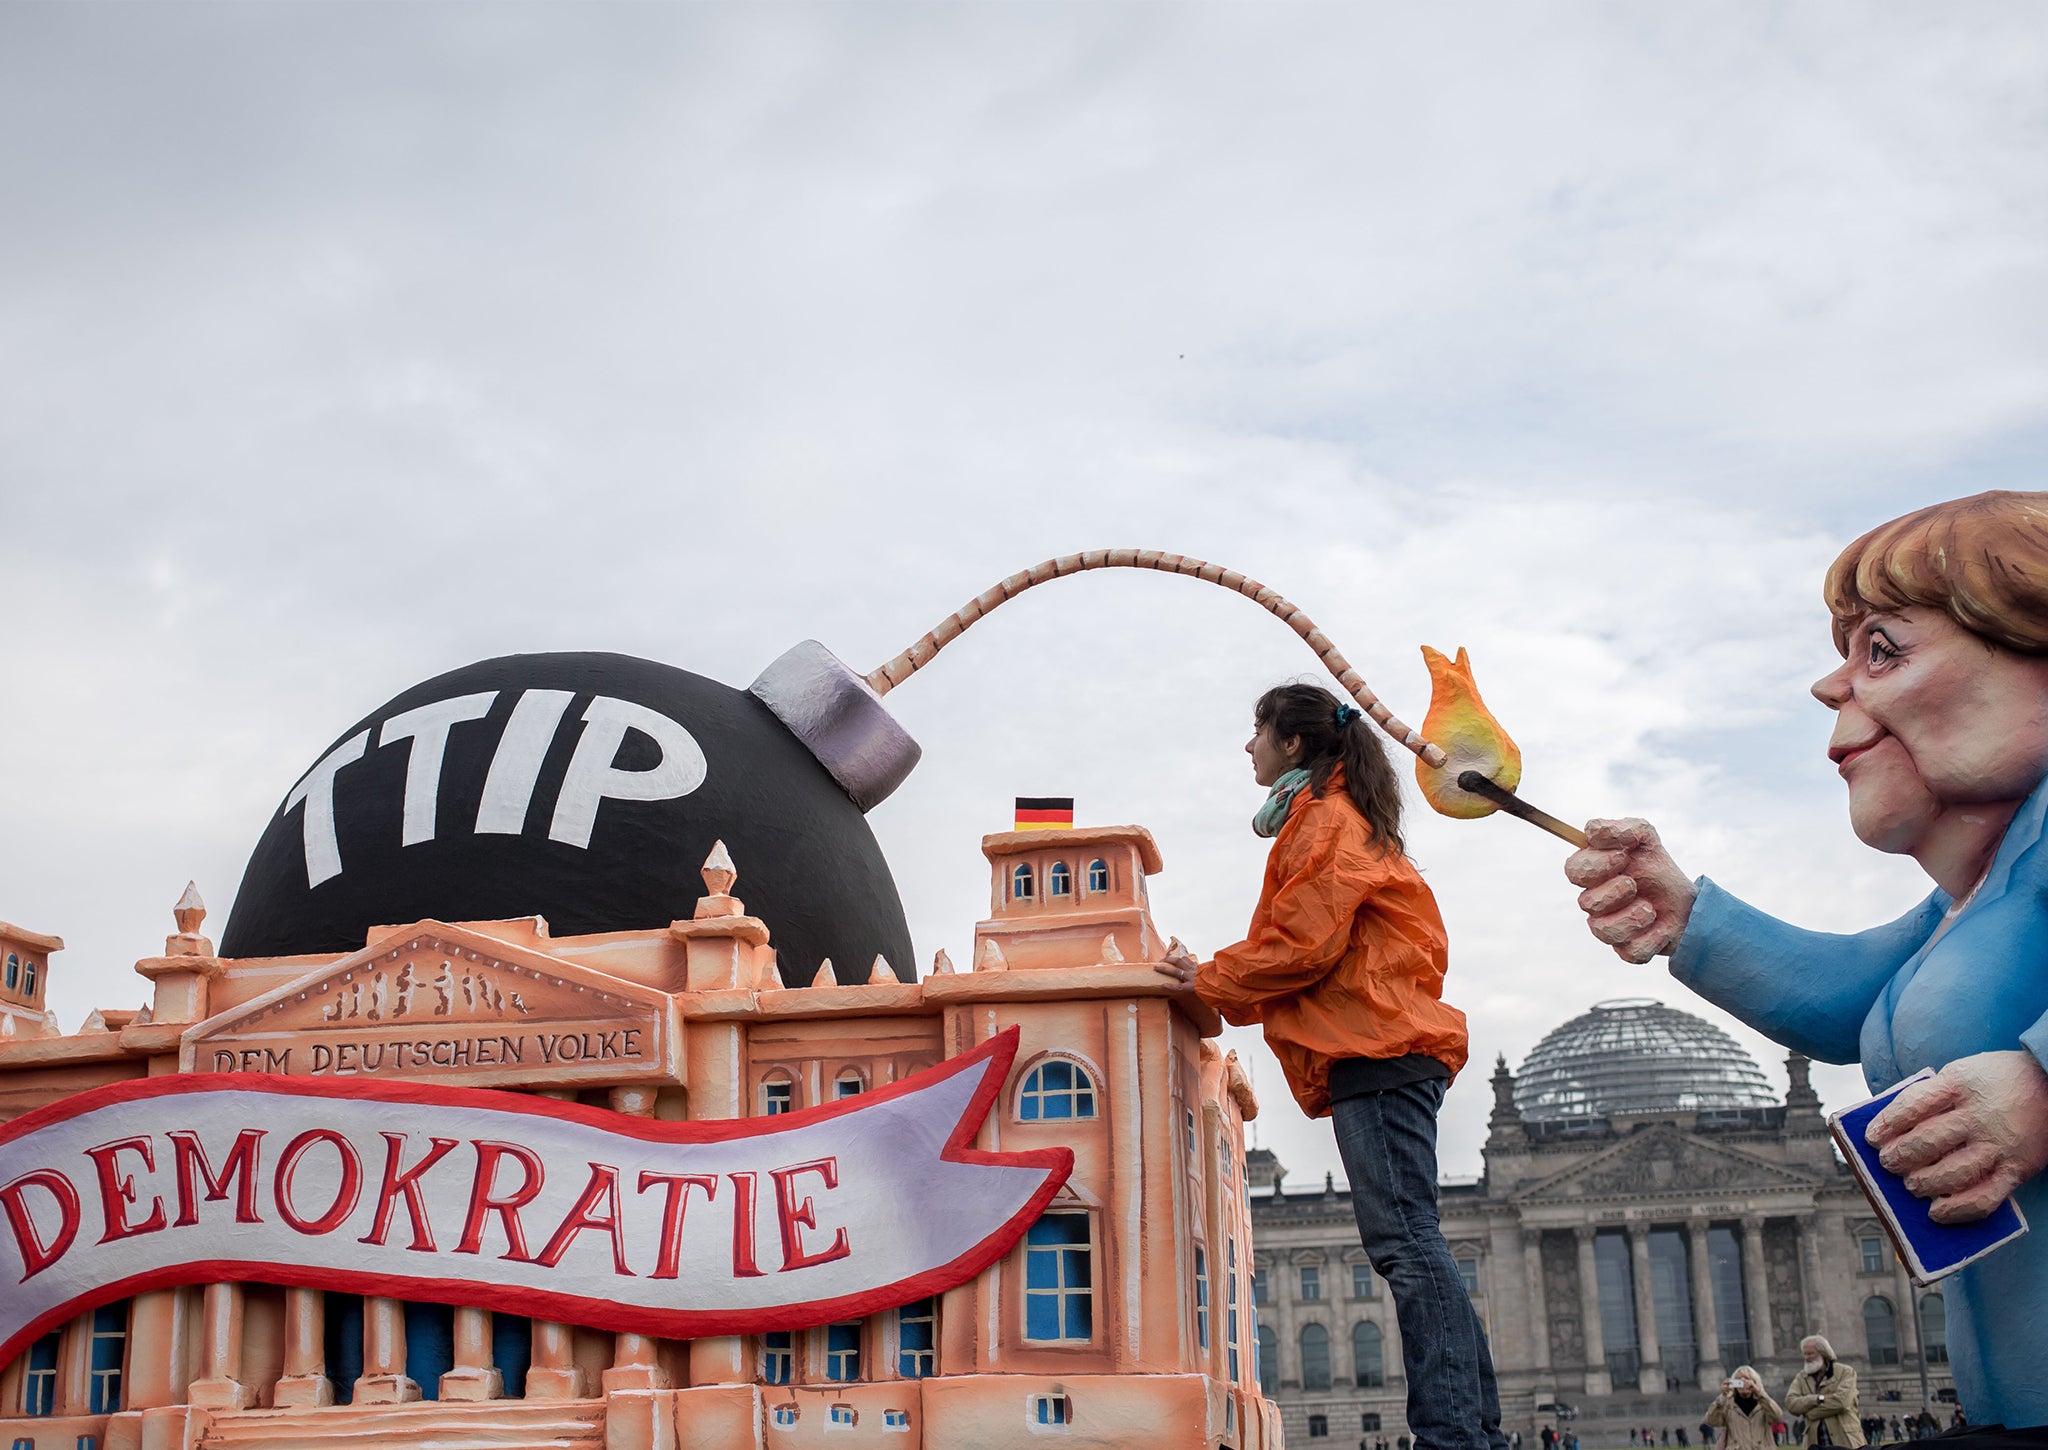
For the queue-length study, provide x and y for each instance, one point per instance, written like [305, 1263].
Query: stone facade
[1622, 1265]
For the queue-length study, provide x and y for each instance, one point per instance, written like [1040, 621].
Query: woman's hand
[1635, 898]
[1179, 965]
[1969, 1135]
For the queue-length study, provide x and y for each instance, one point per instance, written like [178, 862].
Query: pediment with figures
[1663, 1160]
[445, 1004]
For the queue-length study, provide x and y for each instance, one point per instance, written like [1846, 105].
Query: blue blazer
[1887, 999]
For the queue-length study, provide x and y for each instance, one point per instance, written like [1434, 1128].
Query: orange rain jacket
[1346, 953]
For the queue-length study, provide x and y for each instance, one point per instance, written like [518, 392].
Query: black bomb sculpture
[588, 789]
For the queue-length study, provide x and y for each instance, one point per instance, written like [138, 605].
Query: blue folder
[1929, 1250]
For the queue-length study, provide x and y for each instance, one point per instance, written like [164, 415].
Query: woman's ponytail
[1333, 733]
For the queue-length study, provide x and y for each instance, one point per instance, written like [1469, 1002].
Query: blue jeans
[1388, 1143]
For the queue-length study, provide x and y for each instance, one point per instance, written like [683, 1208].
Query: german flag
[1045, 813]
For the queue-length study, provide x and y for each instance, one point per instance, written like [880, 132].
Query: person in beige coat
[1825, 1394]
[1743, 1412]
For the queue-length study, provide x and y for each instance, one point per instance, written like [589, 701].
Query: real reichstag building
[1649, 1218]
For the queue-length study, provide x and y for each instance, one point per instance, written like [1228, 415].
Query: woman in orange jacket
[1344, 967]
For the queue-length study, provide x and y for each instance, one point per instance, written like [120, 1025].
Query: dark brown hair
[1310, 712]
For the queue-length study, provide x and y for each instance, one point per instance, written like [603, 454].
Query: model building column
[723, 947]
[1706, 1322]
[158, 1322]
[473, 1376]
[219, 1386]
[305, 1379]
[635, 1365]
[1651, 1381]
[1539, 1313]
[1756, 1291]
[384, 1380]
[1597, 1380]
[554, 1373]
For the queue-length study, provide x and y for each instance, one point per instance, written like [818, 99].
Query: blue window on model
[1059, 1300]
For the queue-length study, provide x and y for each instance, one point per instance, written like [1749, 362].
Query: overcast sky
[343, 345]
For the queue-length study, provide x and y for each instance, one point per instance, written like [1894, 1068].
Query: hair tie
[1346, 714]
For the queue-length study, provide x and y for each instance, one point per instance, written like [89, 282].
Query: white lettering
[316, 790]
[508, 789]
[427, 727]
[592, 778]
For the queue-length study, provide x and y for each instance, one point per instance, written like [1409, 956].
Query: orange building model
[1123, 1319]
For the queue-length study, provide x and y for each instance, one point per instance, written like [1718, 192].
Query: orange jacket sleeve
[1302, 928]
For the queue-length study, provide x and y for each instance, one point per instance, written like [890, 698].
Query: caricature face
[1930, 719]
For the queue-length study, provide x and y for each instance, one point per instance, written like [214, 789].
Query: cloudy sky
[343, 345]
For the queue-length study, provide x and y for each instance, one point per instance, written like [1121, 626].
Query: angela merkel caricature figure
[1941, 734]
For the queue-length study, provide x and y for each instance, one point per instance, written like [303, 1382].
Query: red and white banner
[504, 1201]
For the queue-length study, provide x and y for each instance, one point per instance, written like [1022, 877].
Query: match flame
[1459, 722]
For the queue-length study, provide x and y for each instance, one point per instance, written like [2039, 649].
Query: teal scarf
[1273, 814]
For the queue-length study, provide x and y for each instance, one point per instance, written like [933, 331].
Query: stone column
[1652, 1379]
[1597, 1380]
[1909, 1321]
[219, 1386]
[473, 1375]
[635, 1362]
[1539, 1314]
[305, 1379]
[1706, 1320]
[384, 1380]
[1756, 1290]
[1809, 1275]
[553, 1373]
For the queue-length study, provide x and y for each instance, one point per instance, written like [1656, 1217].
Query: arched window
[1056, 1088]
[1368, 1356]
[778, 1095]
[849, 1083]
[1098, 875]
[1934, 1328]
[1315, 1357]
[13, 971]
[1268, 1364]
[1881, 1330]
[28, 978]
[1020, 883]
[1059, 881]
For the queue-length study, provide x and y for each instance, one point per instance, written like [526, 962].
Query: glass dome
[1637, 1055]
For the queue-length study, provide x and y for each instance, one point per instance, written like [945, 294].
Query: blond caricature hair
[1983, 561]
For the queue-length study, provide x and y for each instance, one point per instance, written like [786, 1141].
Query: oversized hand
[1968, 1136]
[1635, 898]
